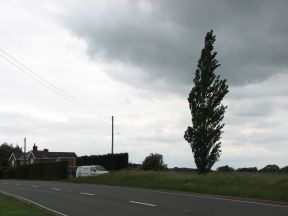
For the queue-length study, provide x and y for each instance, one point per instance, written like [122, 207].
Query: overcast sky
[136, 60]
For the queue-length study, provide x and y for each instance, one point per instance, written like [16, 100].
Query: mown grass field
[12, 207]
[249, 185]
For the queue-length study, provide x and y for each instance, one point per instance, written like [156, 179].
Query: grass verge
[248, 185]
[13, 207]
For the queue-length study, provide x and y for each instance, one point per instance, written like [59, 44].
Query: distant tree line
[184, 169]
[155, 162]
[268, 168]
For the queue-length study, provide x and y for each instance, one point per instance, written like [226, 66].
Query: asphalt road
[95, 200]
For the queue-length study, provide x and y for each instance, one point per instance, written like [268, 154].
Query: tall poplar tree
[206, 109]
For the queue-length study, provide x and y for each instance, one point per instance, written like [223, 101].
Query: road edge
[32, 202]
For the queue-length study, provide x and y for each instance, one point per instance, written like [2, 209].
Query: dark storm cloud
[163, 39]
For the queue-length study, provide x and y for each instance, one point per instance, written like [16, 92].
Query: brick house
[37, 157]
[17, 159]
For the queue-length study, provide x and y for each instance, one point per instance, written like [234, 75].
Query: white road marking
[88, 194]
[57, 189]
[30, 201]
[141, 203]
[35, 186]
[201, 196]
[226, 199]
[18, 184]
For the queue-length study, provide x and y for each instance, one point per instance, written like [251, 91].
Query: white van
[92, 170]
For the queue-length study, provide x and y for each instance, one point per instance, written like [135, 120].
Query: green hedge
[1, 172]
[108, 161]
[49, 171]
[8, 173]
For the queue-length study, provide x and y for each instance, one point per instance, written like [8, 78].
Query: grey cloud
[258, 104]
[268, 90]
[165, 40]
[15, 123]
[270, 139]
[253, 109]
[18, 123]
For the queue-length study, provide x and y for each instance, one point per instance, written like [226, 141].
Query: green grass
[12, 207]
[249, 185]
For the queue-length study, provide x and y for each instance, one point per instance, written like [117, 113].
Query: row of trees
[268, 168]
[155, 162]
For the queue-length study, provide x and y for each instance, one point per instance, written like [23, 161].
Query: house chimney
[35, 148]
[46, 150]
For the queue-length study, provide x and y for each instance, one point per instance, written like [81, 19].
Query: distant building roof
[18, 155]
[45, 154]
[21, 157]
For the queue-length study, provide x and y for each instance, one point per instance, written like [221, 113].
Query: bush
[247, 169]
[284, 169]
[154, 162]
[108, 161]
[225, 169]
[270, 168]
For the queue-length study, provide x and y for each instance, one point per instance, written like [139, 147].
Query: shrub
[225, 169]
[270, 168]
[154, 162]
[247, 169]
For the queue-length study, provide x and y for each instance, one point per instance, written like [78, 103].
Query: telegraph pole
[24, 150]
[112, 135]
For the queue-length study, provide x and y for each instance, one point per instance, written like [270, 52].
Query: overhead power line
[23, 68]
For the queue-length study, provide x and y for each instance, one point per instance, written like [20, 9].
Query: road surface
[94, 200]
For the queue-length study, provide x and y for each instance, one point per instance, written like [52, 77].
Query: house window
[13, 163]
[31, 161]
